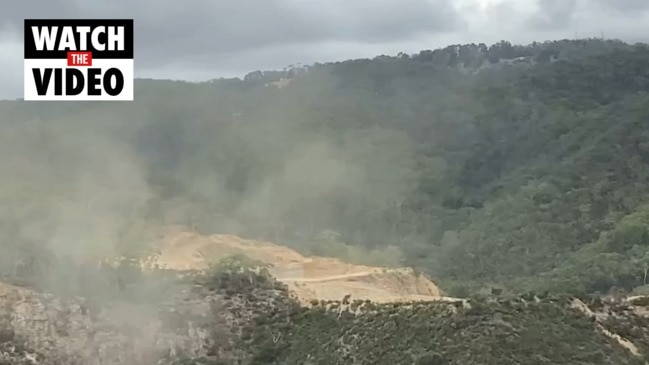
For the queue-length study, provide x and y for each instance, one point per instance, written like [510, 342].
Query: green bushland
[479, 171]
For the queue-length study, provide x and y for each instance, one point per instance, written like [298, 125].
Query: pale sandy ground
[308, 278]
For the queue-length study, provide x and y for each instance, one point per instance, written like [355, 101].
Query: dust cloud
[278, 178]
[81, 182]
[70, 191]
[82, 185]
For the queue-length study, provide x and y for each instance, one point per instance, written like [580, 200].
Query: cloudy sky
[206, 39]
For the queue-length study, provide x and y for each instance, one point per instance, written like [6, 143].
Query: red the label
[79, 58]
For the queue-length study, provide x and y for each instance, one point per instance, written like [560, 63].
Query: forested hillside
[524, 167]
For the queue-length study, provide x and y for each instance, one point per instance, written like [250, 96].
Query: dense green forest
[522, 167]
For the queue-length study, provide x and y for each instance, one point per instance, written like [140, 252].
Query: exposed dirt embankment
[308, 278]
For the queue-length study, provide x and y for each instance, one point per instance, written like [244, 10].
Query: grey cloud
[205, 29]
[502, 11]
[560, 14]
[627, 7]
[553, 14]
[11, 69]
[12, 15]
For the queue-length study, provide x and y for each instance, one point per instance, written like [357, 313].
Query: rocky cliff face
[202, 319]
[37, 328]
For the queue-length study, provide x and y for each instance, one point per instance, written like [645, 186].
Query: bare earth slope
[308, 278]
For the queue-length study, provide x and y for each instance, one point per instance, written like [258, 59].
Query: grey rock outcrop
[38, 328]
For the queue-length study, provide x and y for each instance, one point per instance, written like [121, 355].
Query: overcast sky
[207, 39]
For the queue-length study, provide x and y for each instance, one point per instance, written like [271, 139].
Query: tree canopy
[522, 166]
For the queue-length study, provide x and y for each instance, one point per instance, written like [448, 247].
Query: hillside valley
[466, 205]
